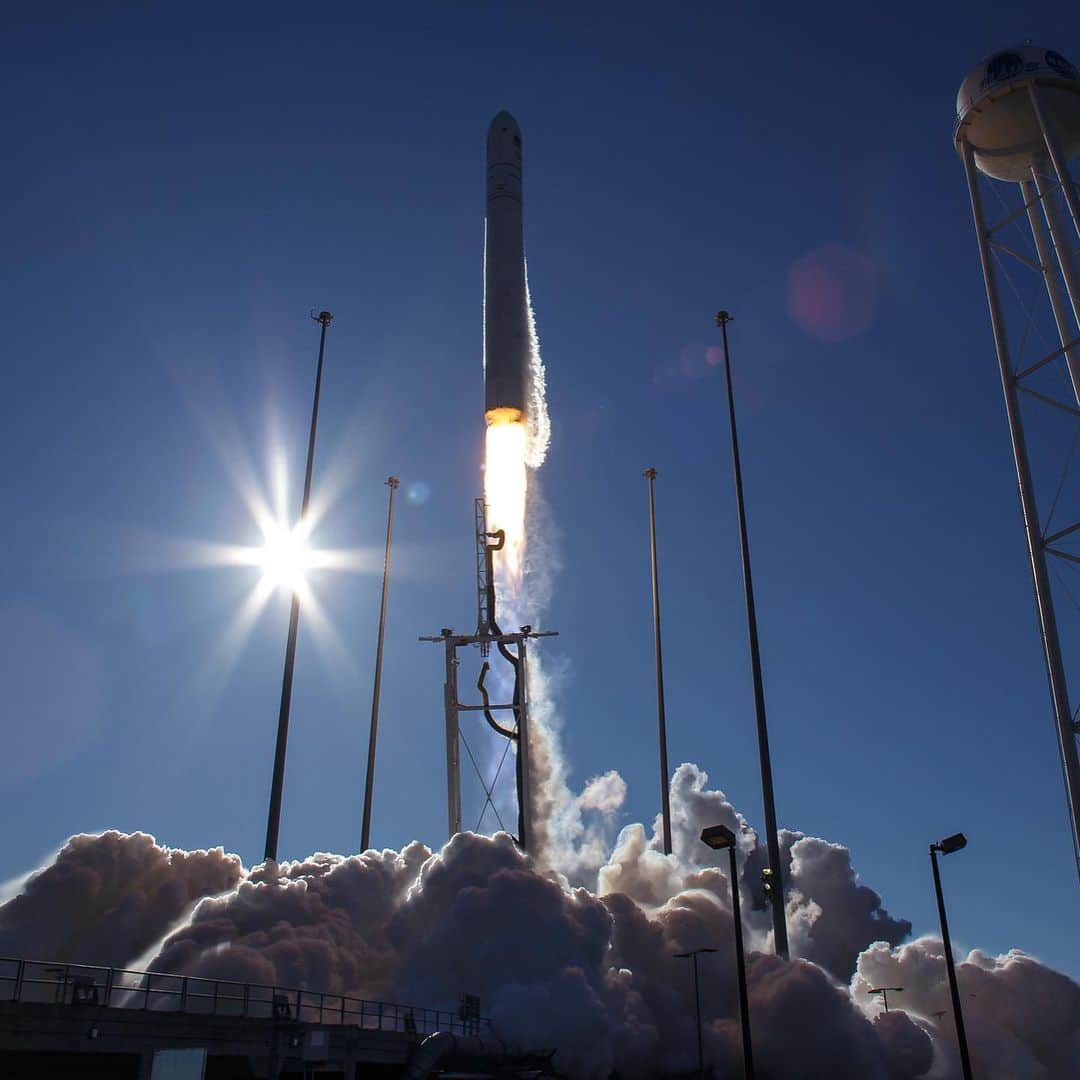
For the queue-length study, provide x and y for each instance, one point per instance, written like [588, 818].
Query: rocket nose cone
[504, 140]
[503, 124]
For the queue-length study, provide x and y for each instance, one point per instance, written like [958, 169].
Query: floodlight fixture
[885, 991]
[951, 843]
[718, 837]
[946, 846]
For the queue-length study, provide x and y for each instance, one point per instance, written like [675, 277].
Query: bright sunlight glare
[285, 557]
[504, 493]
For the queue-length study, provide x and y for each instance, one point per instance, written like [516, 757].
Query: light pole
[776, 893]
[665, 780]
[369, 784]
[273, 821]
[885, 991]
[719, 837]
[947, 847]
[693, 955]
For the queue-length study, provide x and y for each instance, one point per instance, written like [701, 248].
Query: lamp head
[718, 837]
[951, 843]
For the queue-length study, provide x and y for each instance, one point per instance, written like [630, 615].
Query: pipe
[426, 1058]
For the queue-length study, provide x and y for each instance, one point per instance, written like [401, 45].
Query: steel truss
[1051, 206]
[513, 647]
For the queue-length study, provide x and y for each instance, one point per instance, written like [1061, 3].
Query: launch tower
[513, 648]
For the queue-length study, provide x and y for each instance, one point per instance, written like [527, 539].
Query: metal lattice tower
[483, 578]
[513, 648]
[1018, 124]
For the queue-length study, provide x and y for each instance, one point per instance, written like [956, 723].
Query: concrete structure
[83, 1021]
[92, 1040]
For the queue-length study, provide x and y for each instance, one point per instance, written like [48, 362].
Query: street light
[719, 837]
[885, 991]
[947, 847]
[693, 954]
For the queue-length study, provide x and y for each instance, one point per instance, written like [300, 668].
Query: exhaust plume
[590, 971]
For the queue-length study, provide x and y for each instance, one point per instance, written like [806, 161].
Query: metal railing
[45, 982]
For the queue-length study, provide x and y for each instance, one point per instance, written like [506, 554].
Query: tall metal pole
[693, 955]
[697, 1010]
[740, 963]
[274, 818]
[780, 937]
[1059, 693]
[665, 776]
[453, 751]
[369, 783]
[525, 809]
[950, 967]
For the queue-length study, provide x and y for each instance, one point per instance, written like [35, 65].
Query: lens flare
[285, 557]
[504, 492]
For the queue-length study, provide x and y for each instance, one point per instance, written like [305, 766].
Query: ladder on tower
[483, 584]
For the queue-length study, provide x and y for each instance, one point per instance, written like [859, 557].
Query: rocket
[507, 342]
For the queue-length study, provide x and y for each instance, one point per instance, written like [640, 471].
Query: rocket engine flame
[505, 487]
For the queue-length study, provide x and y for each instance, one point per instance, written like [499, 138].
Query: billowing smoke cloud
[589, 971]
[322, 922]
[1022, 1018]
[832, 917]
[105, 899]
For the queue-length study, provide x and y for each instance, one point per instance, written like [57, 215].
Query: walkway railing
[42, 981]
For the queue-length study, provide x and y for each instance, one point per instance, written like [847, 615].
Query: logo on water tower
[1006, 65]
[1058, 63]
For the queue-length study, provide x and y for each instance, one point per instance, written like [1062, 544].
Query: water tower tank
[994, 111]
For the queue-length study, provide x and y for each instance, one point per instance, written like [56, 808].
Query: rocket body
[507, 342]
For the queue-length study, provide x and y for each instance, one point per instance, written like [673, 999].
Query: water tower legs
[1036, 191]
[1038, 544]
[1057, 158]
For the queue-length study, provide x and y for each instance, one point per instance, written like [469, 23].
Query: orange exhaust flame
[504, 492]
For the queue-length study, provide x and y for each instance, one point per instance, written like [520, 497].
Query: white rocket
[506, 311]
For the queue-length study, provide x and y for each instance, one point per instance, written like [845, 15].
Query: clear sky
[182, 185]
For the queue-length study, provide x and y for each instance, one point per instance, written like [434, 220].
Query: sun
[285, 557]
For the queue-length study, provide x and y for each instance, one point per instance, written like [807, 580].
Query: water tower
[1017, 127]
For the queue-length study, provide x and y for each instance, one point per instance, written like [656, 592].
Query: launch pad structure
[513, 647]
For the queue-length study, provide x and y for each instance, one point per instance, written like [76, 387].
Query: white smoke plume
[587, 971]
[106, 898]
[1022, 1018]
[539, 423]
[571, 832]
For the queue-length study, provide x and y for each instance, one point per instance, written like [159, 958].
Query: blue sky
[183, 186]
